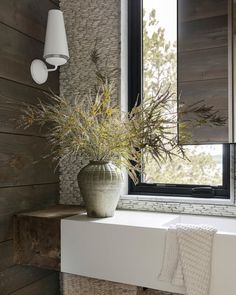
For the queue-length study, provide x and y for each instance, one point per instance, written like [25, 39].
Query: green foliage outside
[201, 168]
[159, 57]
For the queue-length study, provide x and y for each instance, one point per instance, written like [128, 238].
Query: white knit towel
[187, 257]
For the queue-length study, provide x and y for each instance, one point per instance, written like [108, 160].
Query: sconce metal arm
[53, 69]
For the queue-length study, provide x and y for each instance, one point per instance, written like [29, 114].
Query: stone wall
[87, 22]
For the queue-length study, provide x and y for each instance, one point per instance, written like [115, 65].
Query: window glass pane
[205, 164]
[203, 168]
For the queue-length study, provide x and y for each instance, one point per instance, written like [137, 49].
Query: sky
[167, 15]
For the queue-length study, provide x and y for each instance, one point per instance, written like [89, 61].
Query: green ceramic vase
[100, 186]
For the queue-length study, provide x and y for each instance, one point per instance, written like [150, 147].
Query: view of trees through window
[160, 70]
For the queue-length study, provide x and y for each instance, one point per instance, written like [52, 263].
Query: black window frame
[135, 90]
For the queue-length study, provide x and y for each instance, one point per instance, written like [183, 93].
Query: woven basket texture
[142, 291]
[78, 285]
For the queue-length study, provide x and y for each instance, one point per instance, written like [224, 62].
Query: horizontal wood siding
[6, 255]
[25, 198]
[203, 62]
[47, 286]
[201, 9]
[22, 163]
[26, 181]
[204, 34]
[207, 64]
[26, 16]
[13, 97]
[16, 277]
[16, 54]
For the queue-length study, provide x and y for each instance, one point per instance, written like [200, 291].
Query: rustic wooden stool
[37, 236]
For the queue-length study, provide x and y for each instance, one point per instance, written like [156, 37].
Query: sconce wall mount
[55, 49]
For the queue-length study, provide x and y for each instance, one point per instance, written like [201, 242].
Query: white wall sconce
[55, 49]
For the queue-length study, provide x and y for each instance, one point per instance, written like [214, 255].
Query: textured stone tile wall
[175, 207]
[86, 22]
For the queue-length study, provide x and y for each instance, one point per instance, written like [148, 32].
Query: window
[153, 60]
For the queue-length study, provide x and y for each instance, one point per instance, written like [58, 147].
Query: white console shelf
[128, 248]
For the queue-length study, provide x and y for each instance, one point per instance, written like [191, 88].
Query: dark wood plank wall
[203, 61]
[25, 182]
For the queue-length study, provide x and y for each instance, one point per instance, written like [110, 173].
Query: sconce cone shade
[56, 48]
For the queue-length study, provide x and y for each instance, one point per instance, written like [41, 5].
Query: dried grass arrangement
[95, 128]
